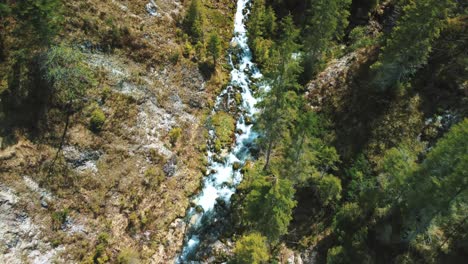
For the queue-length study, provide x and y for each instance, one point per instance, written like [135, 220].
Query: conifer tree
[262, 29]
[441, 179]
[279, 105]
[252, 249]
[214, 47]
[195, 21]
[268, 206]
[410, 43]
[327, 21]
[35, 23]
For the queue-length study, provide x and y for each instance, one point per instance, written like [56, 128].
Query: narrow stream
[220, 185]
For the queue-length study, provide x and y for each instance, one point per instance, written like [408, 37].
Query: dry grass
[124, 45]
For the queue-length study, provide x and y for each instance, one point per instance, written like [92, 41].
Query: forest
[370, 181]
[361, 147]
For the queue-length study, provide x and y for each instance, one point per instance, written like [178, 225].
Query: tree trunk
[268, 154]
[62, 140]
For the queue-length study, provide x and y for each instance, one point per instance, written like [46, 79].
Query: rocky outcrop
[332, 84]
[166, 252]
[20, 237]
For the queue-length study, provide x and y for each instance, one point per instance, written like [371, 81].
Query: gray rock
[170, 167]
[44, 203]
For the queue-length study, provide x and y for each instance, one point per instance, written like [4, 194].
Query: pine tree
[214, 47]
[326, 23]
[31, 27]
[410, 43]
[262, 28]
[279, 105]
[70, 77]
[269, 205]
[195, 21]
[252, 249]
[442, 179]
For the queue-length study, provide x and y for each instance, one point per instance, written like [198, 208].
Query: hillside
[133, 152]
[233, 131]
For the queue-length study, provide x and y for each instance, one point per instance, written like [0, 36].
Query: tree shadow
[24, 106]
[206, 69]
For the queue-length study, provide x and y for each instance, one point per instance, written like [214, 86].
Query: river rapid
[221, 183]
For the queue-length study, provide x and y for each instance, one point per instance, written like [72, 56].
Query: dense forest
[370, 178]
[362, 154]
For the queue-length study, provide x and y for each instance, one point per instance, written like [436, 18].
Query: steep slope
[117, 192]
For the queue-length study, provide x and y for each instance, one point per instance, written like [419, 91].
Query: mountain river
[220, 184]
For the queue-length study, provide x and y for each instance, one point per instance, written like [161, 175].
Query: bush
[336, 255]
[59, 218]
[251, 249]
[360, 38]
[97, 120]
[128, 256]
[174, 135]
[153, 177]
[224, 125]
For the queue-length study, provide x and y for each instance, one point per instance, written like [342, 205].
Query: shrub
[153, 177]
[360, 38]
[97, 120]
[128, 256]
[224, 125]
[59, 218]
[174, 135]
[251, 249]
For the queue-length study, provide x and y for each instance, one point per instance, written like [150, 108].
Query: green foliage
[214, 47]
[308, 154]
[195, 20]
[327, 21]
[59, 218]
[329, 190]
[153, 177]
[100, 256]
[38, 21]
[66, 70]
[410, 43]
[252, 249]
[441, 179]
[347, 220]
[174, 135]
[224, 125]
[280, 104]
[128, 256]
[360, 38]
[97, 120]
[397, 165]
[268, 205]
[262, 28]
[27, 28]
[336, 255]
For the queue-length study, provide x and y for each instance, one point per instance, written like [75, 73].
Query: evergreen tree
[268, 207]
[70, 77]
[329, 190]
[195, 21]
[252, 249]
[409, 45]
[262, 29]
[441, 181]
[214, 47]
[308, 155]
[279, 105]
[31, 27]
[327, 21]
